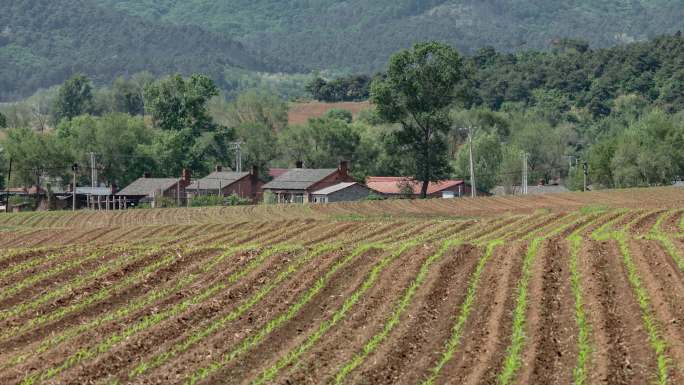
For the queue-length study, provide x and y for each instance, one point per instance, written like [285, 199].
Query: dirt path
[622, 354]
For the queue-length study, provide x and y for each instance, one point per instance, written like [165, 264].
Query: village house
[390, 186]
[246, 185]
[148, 189]
[298, 185]
[342, 192]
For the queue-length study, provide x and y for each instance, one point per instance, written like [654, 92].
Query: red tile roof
[392, 184]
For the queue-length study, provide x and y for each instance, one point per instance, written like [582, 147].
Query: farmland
[567, 289]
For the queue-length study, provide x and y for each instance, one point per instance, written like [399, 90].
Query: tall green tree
[127, 97]
[176, 103]
[258, 107]
[416, 93]
[260, 145]
[34, 155]
[3, 121]
[75, 98]
[487, 161]
[115, 139]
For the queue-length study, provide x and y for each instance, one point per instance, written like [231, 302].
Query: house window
[448, 194]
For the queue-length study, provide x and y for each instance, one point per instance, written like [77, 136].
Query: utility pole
[238, 155]
[585, 166]
[525, 175]
[473, 188]
[93, 171]
[93, 177]
[9, 178]
[74, 168]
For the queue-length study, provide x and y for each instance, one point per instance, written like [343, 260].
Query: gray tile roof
[335, 188]
[147, 186]
[218, 179]
[299, 178]
[102, 191]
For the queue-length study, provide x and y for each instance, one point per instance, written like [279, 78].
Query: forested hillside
[42, 42]
[360, 35]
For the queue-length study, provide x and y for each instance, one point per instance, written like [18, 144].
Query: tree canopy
[417, 92]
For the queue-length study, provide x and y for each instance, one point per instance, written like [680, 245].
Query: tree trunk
[424, 188]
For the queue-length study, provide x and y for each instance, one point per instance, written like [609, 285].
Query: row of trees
[424, 108]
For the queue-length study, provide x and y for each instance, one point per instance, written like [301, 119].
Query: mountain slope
[42, 42]
[361, 34]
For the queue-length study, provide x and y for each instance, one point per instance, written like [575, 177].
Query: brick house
[391, 186]
[297, 185]
[147, 189]
[246, 185]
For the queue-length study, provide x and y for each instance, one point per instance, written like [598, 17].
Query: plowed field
[485, 291]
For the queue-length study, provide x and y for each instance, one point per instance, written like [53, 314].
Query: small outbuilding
[342, 192]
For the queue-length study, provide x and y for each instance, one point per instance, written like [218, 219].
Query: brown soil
[622, 355]
[147, 342]
[417, 341]
[293, 333]
[552, 344]
[96, 335]
[485, 332]
[666, 293]
[365, 320]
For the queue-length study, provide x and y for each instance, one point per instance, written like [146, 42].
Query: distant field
[300, 113]
[564, 289]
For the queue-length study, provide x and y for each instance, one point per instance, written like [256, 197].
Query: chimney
[299, 164]
[218, 168]
[186, 177]
[254, 171]
[115, 189]
[344, 168]
[146, 175]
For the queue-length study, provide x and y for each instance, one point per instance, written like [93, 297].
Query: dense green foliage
[43, 42]
[417, 92]
[360, 35]
[344, 89]
[619, 109]
[75, 98]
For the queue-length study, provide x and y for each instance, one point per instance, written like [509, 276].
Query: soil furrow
[667, 300]
[484, 337]
[288, 335]
[552, 352]
[623, 354]
[416, 343]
